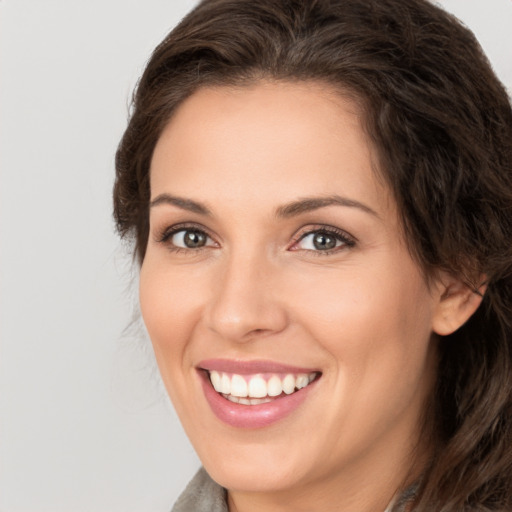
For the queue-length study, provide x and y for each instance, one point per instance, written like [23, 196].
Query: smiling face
[275, 261]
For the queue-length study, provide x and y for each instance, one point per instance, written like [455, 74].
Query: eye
[323, 240]
[183, 238]
[189, 239]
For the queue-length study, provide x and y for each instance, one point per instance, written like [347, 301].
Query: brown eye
[189, 239]
[322, 241]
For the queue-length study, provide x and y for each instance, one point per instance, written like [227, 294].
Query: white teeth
[257, 401]
[274, 387]
[254, 390]
[215, 378]
[289, 384]
[239, 386]
[257, 387]
[225, 384]
[302, 381]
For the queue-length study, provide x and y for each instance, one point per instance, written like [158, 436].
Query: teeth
[257, 387]
[215, 378]
[239, 386]
[225, 384]
[247, 401]
[257, 401]
[274, 386]
[254, 390]
[289, 384]
[302, 381]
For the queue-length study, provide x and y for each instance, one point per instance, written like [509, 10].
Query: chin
[261, 475]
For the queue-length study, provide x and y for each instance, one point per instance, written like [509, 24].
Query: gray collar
[202, 494]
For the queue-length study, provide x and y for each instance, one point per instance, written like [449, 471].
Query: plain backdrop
[84, 423]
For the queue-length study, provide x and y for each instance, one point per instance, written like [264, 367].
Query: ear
[456, 302]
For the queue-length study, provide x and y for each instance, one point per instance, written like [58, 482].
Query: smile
[260, 388]
[254, 394]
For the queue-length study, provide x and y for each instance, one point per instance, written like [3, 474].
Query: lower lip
[252, 416]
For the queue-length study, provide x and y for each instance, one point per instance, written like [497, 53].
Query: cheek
[170, 309]
[379, 316]
[169, 302]
[376, 331]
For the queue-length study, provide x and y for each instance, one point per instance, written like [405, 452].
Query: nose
[246, 302]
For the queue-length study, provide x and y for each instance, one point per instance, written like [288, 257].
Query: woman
[320, 195]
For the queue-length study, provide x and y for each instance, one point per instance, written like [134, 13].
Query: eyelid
[163, 236]
[340, 234]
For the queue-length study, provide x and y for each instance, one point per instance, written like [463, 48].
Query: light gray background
[84, 424]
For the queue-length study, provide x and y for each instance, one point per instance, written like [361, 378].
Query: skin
[258, 289]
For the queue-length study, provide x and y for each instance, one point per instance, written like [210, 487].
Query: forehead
[271, 140]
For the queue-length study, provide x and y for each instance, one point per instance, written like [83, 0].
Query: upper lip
[242, 367]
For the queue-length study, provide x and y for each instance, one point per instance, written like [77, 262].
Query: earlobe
[456, 302]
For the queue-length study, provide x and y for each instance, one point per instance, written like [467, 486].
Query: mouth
[254, 394]
[258, 388]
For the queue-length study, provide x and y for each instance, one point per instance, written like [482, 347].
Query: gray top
[202, 494]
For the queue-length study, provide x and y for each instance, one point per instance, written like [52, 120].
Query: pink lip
[251, 416]
[250, 367]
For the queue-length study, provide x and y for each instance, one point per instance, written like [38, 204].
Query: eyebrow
[309, 204]
[287, 210]
[180, 202]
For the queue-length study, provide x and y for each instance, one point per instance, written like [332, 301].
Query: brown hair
[442, 125]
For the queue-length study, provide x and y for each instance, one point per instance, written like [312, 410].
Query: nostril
[256, 333]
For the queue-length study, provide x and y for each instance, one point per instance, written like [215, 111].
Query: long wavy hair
[442, 126]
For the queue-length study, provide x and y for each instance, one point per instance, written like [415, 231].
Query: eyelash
[166, 235]
[347, 241]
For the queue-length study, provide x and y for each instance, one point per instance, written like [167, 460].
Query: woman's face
[275, 261]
